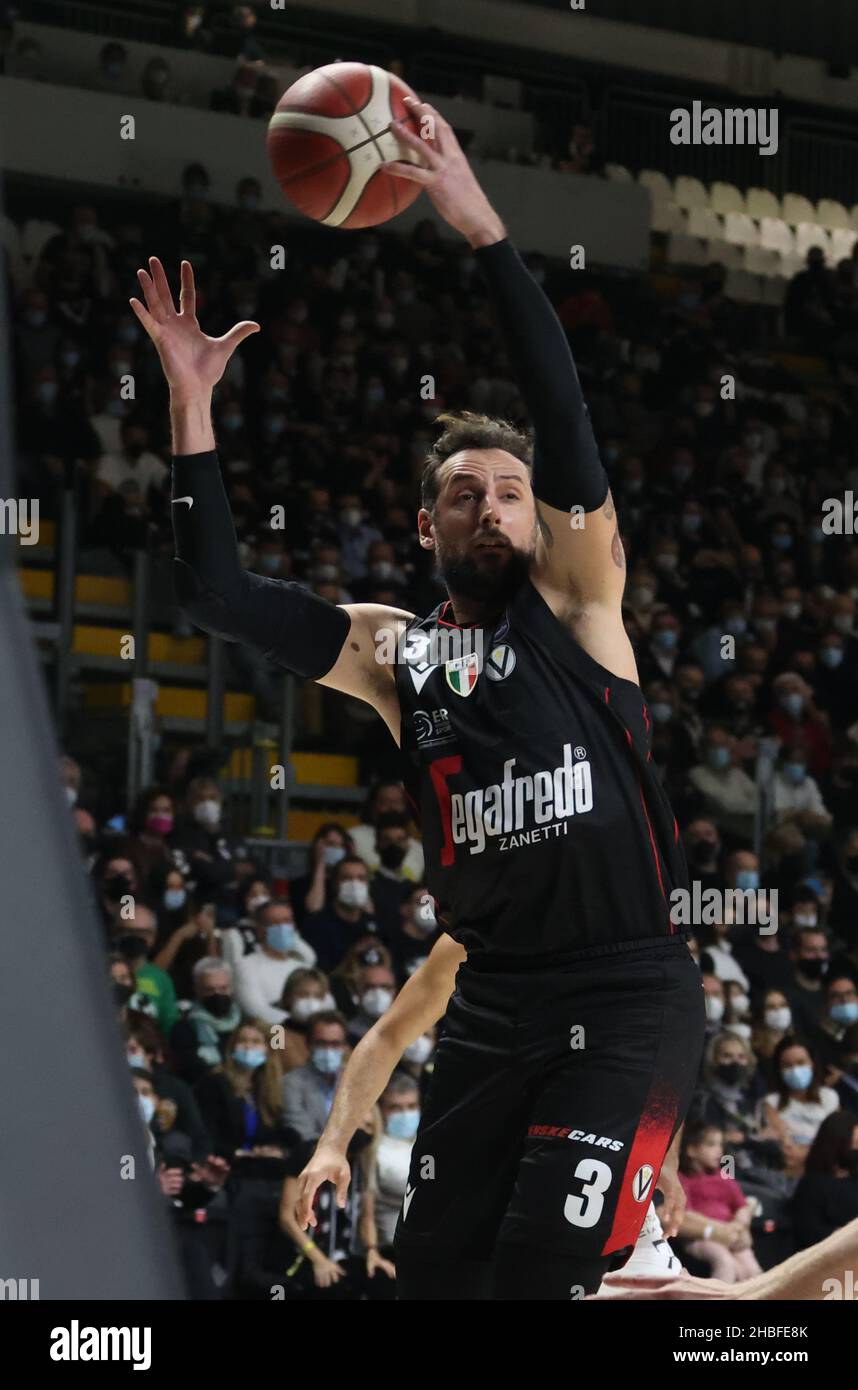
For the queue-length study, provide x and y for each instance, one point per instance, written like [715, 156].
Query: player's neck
[465, 612]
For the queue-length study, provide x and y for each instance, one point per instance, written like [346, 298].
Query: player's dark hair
[465, 429]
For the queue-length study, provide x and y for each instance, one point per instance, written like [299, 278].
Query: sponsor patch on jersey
[500, 662]
[432, 726]
[578, 1136]
[462, 672]
[642, 1183]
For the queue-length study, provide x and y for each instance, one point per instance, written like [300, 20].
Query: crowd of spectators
[723, 446]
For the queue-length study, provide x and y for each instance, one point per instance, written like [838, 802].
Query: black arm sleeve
[567, 470]
[287, 623]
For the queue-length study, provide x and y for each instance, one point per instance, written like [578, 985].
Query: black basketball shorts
[553, 1101]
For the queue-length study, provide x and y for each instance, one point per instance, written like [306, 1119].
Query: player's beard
[485, 581]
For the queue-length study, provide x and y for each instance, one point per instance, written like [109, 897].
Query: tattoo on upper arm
[544, 528]
[608, 508]
[617, 552]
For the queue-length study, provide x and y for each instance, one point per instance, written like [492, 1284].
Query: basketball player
[574, 1028]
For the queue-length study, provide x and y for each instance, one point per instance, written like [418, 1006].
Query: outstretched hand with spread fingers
[192, 361]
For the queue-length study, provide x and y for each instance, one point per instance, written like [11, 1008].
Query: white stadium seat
[704, 222]
[690, 193]
[791, 263]
[775, 235]
[797, 209]
[741, 230]
[809, 234]
[842, 241]
[658, 184]
[729, 256]
[830, 213]
[618, 173]
[759, 203]
[667, 217]
[726, 197]
[760, 261]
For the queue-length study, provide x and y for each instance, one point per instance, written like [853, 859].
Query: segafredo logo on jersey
[545, 800]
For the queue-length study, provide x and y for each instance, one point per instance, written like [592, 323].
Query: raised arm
[579, 553]
[287, 623]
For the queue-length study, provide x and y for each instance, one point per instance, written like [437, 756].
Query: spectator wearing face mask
[260, 976]
[709, 649]
[659, 656]
[386, 1169]
[839, 1014]
[389, 886]
[772, 1022]
[121, 983]
[347, 917]
[376, 996]
[134, 936]
[307, 1092]
[240, 1099]
[728, 1097]
[355, 535]
[415, 934]
[763, 957]
[835, 679]
[672, 748]
[713, 997]
[199, 1038]
[827, 1196]
[799, 1103]
[349, 979]
[703, 852]
[187, 939]
[147, 1050]
[311, 891]
[796, 720]
[384, 798]
[219, 863]
[134, 463]
[305, 994]
[150, 826]
[796, 796]
[726, 792]
[810, 955]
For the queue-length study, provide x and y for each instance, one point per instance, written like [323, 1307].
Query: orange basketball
[328, 138]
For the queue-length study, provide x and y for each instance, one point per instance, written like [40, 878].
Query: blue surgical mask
[250, 1057]
[666, 638]
[661, 711]
[792, 703]
[782, 541]
[146, 1105]
[332, 855]
[269, 564]
[847, 1012]
[327, 1059]
[831, 657]
[280, 937]
[747, 880]
[794, 773]
[137, 1061]
[402, 1124]
[718, 757]
[798, 1078]
[174, 898]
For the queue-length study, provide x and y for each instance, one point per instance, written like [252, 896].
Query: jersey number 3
[585, 1210]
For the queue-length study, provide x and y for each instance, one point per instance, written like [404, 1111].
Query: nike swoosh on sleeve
[189, 500]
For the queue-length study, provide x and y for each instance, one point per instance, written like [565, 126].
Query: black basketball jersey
[546, 831]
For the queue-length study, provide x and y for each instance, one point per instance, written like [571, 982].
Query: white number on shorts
[586, 1209]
